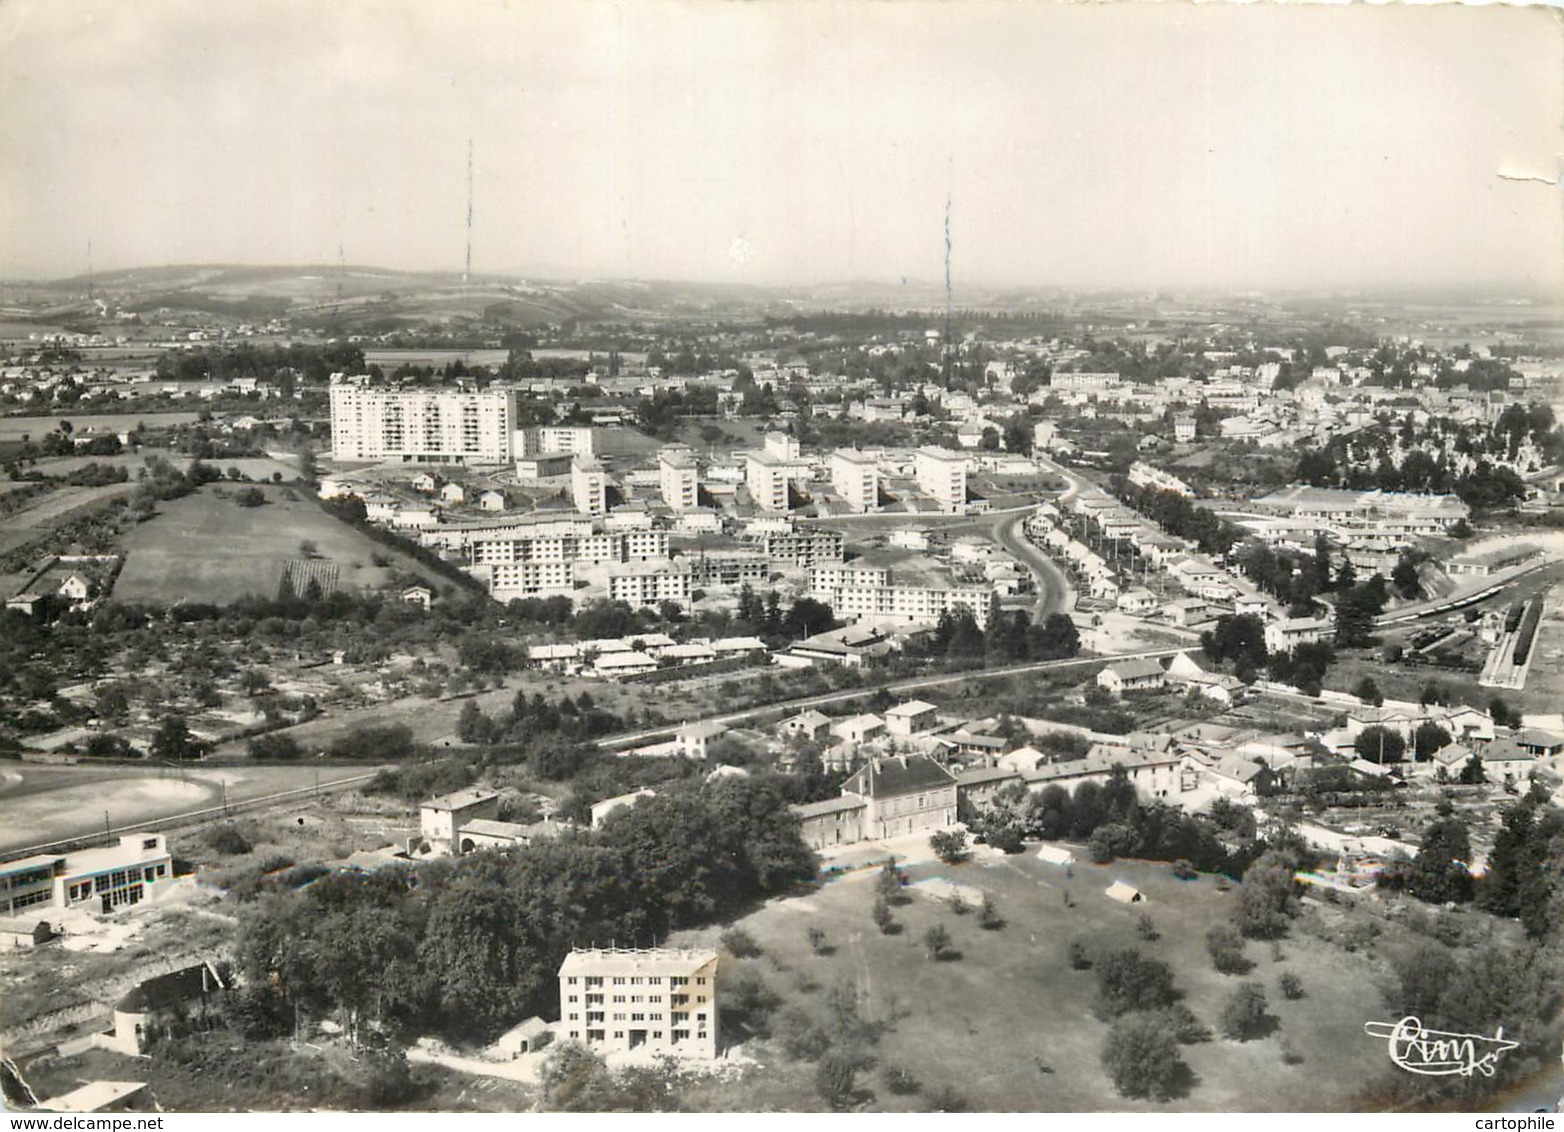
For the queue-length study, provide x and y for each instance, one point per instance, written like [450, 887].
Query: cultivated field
[1009, 1024]
[206, 549]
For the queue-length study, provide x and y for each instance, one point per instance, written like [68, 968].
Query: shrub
[1184, 870]
[1080, 956]
[249, 497]
[882, 916]
[740, 943]
[900, 1081]
[1244, 1016]
[1127, 980]
[227, 840]
[950, 846]
[937, 941]
[817, 942]
[1141, 1056]
[1225, 945]
[1291, 984]
[1146, 927]
[989, 918]
[945, 1098]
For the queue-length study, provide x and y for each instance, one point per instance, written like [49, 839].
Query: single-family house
[150, 1008]
[808, 724]
[910, 718]
[1142, 674]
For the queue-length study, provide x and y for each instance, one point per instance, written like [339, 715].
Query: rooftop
[460, 799]
[904, 774]
[636, 961]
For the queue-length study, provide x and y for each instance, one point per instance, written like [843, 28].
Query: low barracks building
[659, 1000]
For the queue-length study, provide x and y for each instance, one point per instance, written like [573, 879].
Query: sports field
[47, 803]
[203, 548]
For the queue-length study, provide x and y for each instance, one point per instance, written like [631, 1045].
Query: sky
[1156, 145]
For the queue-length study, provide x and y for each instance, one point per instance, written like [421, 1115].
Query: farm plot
[204, 548]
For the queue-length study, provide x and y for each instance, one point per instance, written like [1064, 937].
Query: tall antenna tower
[467, 271]
[950, 348]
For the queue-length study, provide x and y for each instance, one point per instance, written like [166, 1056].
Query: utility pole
[467, 271]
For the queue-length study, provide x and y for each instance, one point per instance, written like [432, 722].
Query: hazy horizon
[1131, 147]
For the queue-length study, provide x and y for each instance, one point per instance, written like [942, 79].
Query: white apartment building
[660, 1000]
[419, 426]
[498, 547]
[804, 547]
[529, 579]
[650, 584]
[555, 440]
[1090, 381]
[942, 475]
[874, 593]
[856, 478]
[781, 445]
[678, 478]
[766, 477]
[588, 486]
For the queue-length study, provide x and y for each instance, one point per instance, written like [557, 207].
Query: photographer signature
[1434, 1053]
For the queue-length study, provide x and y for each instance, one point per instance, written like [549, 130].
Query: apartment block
[588, 486]
[766, 476]
[942, 476]
[419, 426]
[651, 583]
[856, 478]
[678, 478]
[530, 579]
[804, 547]
[555, 440]
[659, 1000]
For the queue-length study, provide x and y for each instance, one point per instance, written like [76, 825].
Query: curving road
[1054, 592]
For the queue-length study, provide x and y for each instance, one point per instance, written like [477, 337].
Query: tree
[836, 1074]
[817, 941]
[1380, 745]
[1291, 985]
[275, 747]
[1238, 638]
[882, 915]
[1268, 898]
[1428, 738]
[1225, 944]
[1368, 691]
[1440, 872]
[950, 846]
[1404, 578]
[1057, 639]
[472, 726]
[989, 918]
[1244, 1016]
[1141, 1056]
[173, 740]
[937, 941]
[1127, 980]
[249, 497]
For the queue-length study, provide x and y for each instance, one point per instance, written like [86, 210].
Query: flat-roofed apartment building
[855, 476]
[766, 475]
[554, 440]
[649, 583]
[138, 868]
[804, 547]
[589, 486]
[659, 1000]
[909, 589]
[942, 476]
[678, 478]
[421, 426]
[528, 579]
[604, 548]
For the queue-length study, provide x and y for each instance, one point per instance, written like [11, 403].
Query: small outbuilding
[528, 1037]
[1124, 893]
[1056, 855]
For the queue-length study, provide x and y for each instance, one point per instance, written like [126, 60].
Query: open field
[206, 549]
[1009, 1024]
[55, 803]
[50, 510]
[14, 428]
